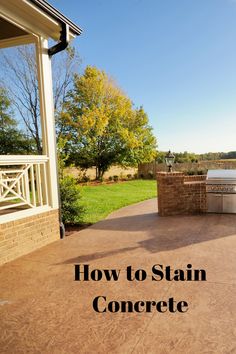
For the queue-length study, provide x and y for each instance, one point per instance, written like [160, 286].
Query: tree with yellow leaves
[102, 127]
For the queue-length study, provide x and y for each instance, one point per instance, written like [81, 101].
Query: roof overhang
[34, 17]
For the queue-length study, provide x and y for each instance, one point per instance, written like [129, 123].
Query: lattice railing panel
[23, 181]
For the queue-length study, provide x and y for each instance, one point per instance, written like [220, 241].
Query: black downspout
[64, 41]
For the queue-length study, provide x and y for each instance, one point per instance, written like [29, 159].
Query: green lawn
[99, 201]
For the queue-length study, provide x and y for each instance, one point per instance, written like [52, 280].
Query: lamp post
[169, 159]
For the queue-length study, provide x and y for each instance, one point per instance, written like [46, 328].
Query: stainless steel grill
[221, 191]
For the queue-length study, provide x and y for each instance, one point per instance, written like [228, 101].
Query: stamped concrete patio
[43, 310]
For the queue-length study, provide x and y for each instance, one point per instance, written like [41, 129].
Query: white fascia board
[30, 18]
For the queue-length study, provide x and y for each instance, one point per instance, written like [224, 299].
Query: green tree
[160, 158]
[12, 140]
[102, 126]
[6, 112]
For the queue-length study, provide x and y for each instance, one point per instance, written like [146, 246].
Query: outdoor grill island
[180, 194]
[221, 191]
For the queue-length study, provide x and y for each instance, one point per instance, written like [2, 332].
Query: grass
[99, 201]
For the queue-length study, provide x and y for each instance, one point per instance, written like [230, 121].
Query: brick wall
[25, 235]
[180, 194]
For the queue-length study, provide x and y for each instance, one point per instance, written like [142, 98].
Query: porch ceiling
[8, 30]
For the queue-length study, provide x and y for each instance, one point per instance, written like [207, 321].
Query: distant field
[101, 200]
[226, 160]
[91, 173]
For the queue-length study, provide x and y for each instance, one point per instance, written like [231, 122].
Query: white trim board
[24, 214]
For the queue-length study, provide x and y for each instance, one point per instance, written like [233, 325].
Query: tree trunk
[96, 173]
[99, 172]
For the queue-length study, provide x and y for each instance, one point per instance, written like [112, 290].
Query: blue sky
[177, 58]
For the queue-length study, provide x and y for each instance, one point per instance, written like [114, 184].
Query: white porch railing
[23, 181]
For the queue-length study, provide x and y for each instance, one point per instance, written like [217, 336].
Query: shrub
[190, 172]
[70, 194]
[141, 175]
[82, 177]
[110, 178]
[122, 176]
[85, 178]
[79, 179]
[129, 176]
[201, 172]
[150, 174]
[135, 176]
[195, 172]
[115, 178]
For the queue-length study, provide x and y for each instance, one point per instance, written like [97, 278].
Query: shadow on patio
[162, 233]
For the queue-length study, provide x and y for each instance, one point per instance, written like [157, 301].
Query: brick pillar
[170, 193]
[179, 194]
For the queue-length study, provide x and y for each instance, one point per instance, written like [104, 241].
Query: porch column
[47, 118]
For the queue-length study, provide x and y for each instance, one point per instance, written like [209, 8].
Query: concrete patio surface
[43, 310]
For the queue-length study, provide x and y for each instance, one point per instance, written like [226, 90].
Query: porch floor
[43, 310]
[13, 210]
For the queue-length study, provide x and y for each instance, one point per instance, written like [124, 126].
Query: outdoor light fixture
[169, 159]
